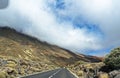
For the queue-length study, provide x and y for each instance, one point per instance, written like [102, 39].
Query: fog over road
[58, 73]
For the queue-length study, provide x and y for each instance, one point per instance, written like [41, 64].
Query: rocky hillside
[21, 54]
[109, 68]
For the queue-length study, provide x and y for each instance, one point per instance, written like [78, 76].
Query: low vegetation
[109, 68]
[20, 67]
[22, 55]
[88, 70]
[112, 60]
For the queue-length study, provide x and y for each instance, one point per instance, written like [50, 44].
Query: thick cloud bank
[77, 25]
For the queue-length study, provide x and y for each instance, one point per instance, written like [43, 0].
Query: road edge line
[54, 74]
[73, 73]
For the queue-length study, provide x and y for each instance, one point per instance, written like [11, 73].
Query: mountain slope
[22, 46]
[30, 52]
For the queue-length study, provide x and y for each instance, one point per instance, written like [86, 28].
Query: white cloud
[104, 13]
[35, 18]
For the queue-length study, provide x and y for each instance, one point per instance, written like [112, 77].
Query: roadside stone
[114, 73]
[117, 76]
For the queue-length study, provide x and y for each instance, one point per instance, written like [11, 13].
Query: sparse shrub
[3, 74]
[11, 65]
[103, 75]
[88, 66]
[22, 71]
[113, 59]
[80, 73]
[11, 71]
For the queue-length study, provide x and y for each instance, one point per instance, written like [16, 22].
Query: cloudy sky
[85, 26]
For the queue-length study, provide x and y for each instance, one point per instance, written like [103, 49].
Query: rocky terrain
[108, 68]
[21, 55]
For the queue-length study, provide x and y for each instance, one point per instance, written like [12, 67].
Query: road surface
[58, 73]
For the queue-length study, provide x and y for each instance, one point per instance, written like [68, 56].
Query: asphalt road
[58, 73]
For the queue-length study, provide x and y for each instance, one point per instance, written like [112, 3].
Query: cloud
[106, 14]
[77, 25]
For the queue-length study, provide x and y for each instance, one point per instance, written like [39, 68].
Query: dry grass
[104, 75]
[3, 74]
[26, 54]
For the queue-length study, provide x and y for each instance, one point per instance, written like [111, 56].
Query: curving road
[58, 73]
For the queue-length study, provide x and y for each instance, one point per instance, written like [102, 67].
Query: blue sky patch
[76, 21]
[60, 4]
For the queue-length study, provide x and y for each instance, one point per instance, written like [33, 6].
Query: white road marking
[73, 73]
[54, 73]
